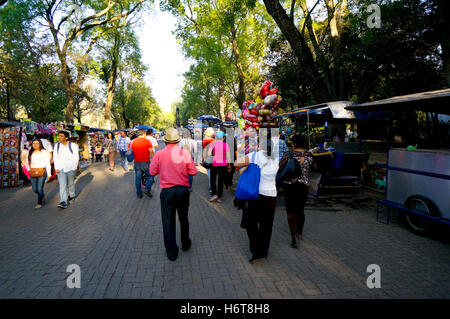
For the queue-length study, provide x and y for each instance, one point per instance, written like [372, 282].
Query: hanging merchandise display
[9, 156]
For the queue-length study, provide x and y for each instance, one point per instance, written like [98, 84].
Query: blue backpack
[248, 184]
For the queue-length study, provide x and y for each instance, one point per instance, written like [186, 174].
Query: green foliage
[134, 105]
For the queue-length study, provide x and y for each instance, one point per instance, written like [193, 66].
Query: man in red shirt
[174, 166]
[142, 150]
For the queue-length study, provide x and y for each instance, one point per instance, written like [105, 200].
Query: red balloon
[264, 90]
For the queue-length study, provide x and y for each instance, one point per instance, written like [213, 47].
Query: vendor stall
[339, 157]
[418, 179]
[10, 140]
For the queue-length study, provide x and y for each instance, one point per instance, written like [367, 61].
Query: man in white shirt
[65, 157]
[152, 140]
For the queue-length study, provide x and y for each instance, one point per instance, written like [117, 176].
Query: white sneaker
[213, 198]
[219, 200]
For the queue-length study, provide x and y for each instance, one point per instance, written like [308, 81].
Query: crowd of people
[177, 164]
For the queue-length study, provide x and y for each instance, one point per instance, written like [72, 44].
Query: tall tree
[78, 22]
[300, 48]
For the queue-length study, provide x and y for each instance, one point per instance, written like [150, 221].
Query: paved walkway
[117, 241]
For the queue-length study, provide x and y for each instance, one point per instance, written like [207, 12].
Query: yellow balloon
[259, 100]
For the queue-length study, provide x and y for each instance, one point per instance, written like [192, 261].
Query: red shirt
[174, 165]
[141, 150]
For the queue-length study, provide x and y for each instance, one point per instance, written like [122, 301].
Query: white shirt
[153, 141]
[64, 160]
[47, 145]
[269, 169]
[40, 160]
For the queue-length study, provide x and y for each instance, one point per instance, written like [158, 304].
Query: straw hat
[172, 136]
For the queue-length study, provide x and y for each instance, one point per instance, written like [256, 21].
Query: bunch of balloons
[259, 113]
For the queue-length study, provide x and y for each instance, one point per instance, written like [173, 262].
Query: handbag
[291, 170]
[106, 152]
[129, 154]
[208, 161]
[37, 172]
[248, 184]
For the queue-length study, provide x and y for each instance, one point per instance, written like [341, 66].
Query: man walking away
[174, 166]
[66, 157]
[122, 147]
[142, 150]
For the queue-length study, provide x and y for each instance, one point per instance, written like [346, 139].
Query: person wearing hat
[65, 157]
[174, 166]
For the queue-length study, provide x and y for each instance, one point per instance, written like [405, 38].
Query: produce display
[259, 113]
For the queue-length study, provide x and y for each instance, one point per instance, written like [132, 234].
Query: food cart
[418, 179]
[337, 163]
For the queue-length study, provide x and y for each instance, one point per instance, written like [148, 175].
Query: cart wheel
[417, 224]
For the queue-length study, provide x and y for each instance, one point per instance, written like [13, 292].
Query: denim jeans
[191, 180]
[141, 168]
[173, 200]
[37, 183]
[209, 179]
[66, 180]
[123, 160]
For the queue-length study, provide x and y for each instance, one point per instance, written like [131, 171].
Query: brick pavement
[117, 241]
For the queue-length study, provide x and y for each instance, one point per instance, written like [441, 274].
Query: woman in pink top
[221, 165]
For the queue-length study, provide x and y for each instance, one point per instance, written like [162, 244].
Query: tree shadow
[82, 182]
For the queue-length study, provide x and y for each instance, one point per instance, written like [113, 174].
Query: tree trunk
[240, 71]
[300, 48]
[323, 63]
[111, 85]
[222, 101]
[334, 16]
[444, 22]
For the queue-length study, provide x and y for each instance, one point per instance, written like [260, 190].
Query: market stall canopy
[95, 130]
[432, 101]
[337, 111]
[227, 124]
[9, 123]
[145, 127]
[78, 127]
[209, 118]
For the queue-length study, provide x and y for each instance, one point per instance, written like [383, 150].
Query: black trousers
[296, 195]
[218, 172]
[260, 215]
[173, 200]
[228, 180]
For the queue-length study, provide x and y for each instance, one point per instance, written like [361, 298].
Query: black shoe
[173, 257]
[187, 246]
[72, 199]
[294, 242]
[148, 193]
[139, 195]
[62, 205]
[255, 259]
